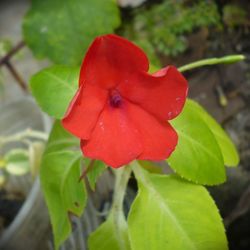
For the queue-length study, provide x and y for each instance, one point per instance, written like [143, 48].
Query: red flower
[120, 111]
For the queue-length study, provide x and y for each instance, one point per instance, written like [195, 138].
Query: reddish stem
[85, 172]
[15, 74]
[7, 57]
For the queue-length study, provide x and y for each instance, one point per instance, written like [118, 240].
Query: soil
[9, 207]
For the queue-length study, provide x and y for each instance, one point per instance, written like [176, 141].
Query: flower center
[115, 99]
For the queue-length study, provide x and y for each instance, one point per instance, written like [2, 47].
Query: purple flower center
[115, 99]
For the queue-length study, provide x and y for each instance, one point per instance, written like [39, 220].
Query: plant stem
[24, 134]
[16, 75]
[7, 57]
[137, 169]
[116, 213]
[212, 61]
[121, 181]
[6, 61]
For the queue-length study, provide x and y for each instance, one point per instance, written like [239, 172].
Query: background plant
[24, 157]
[163, 27]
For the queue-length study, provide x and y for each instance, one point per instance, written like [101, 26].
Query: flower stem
[121, 181]
[116, 214]
[139, 174]
[212, 61]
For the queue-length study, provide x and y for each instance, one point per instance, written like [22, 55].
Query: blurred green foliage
[63, 30]
[163, 27]
[234, 15]
[5, 47]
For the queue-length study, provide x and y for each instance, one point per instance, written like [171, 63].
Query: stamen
[115, 99]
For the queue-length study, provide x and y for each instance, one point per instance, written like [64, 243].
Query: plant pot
[31, 223]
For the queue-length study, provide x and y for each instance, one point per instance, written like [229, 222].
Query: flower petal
[163, 94]
[84, 110]
[114, 139]
[110, 60]
[158, 138]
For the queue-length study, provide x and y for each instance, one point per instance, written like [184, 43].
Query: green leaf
[172, 214]
[54, 88]
[228, 150]
[60, 172]
[62, 30]
[153, 68]
[150, 166]
[197, 156]
[112, 234]
[17, 162]
[95, 172]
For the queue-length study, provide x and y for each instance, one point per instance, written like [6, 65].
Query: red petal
[110, 60]
[162, 94]
[114, 139]
[158, 138]
[84, 110]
